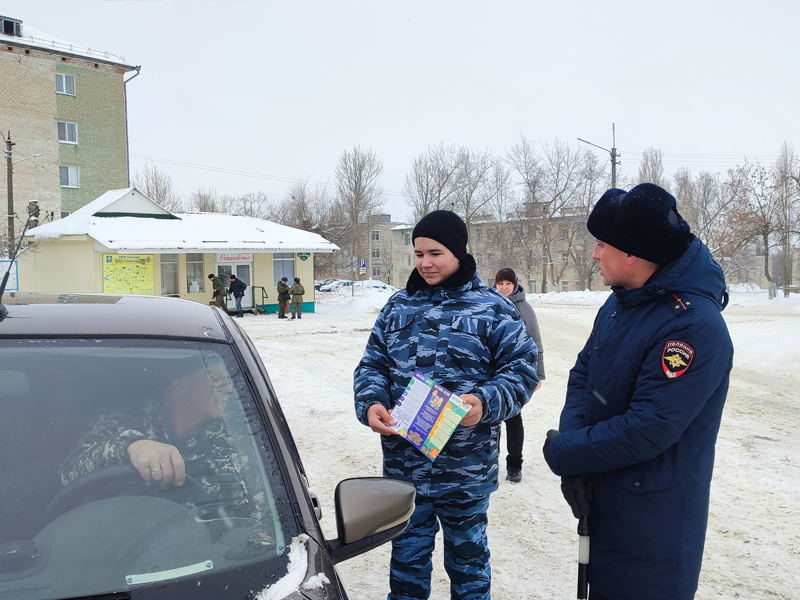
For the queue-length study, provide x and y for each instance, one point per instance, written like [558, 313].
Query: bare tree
[252, 204]
[207, 199]
[359, 195]
[760, 213]
[786, 181]
[433, 180]
[475, 190]
[157, 185]
[651, 169]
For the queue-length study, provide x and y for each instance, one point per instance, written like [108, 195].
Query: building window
[169, 274]
[68, 176]
[376, 236]
[565, 257]
[478, 234]
[407, 239]
[195, 280]
[66, 213]
[376, 271]
[478, 261]
[492, 260]
[283, 266]
[376, 253]
[65, 84]
[408, 260]
[67, 132]
[532, 286]
[565, 286]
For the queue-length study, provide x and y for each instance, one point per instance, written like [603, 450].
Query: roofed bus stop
[124, 243]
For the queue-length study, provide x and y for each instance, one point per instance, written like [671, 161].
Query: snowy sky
[278, 89]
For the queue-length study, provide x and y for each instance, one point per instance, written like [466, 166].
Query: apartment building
[64, 110]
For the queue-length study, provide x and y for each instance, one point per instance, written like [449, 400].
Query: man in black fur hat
[635, 444]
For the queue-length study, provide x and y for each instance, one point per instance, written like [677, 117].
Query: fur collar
[466, 271]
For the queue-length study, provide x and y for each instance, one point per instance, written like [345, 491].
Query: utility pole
[9, 181]
[613, 153]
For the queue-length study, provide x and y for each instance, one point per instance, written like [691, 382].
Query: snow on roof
[126, 220]
[38, 39]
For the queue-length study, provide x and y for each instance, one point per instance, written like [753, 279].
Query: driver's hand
[158, 462]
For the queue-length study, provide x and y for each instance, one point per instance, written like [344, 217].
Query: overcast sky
[279, 89]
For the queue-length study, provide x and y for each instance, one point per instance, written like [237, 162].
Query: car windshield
[90, 433]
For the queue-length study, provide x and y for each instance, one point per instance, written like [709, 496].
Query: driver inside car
[167, 438]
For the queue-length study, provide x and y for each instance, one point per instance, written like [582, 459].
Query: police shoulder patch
[676, 358]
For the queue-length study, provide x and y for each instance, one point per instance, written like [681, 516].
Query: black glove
[578, 493]
[553, 433]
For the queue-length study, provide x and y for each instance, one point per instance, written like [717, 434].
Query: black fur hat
[644, 222]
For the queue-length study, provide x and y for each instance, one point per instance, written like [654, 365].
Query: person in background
[506, 283]
[237, 289]
[283, 298]
[449, 326]
[635, 445]
[296, 291]
[218, 293]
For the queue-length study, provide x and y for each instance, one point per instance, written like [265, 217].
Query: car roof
[107, 315]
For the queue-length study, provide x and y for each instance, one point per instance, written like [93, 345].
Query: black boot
[299, 316]
[292, 317]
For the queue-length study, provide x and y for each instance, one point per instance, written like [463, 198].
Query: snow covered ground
[753, 543]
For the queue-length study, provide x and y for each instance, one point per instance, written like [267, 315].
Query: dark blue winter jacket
[643, 409]
[470, 339]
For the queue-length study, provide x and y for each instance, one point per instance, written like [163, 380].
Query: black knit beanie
[644, 222]
[447, 228]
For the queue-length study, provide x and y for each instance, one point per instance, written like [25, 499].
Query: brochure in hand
[427, 414]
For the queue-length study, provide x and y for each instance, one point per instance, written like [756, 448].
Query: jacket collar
[462, 278]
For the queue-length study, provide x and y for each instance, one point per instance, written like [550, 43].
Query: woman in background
[506, 283]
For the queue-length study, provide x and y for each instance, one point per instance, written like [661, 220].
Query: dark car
[145, 455]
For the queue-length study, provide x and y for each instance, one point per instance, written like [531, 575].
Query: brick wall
[30, 108]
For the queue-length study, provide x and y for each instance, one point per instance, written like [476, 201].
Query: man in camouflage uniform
[283, 298]
[183, 434]
[448, 325]
[296, 291]
[218, 287]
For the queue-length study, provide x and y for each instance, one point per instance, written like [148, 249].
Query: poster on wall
[128, 274]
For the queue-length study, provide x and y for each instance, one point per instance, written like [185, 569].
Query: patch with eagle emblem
[676, 358]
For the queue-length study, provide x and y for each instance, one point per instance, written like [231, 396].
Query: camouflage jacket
[208, 452]
[468, 338]
[297, 290]
[218, 286]
[283, 291]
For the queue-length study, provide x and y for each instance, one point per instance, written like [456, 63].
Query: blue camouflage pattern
[470, 339]
[466, 553]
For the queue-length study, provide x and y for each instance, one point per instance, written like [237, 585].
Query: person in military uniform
[218, 287]
[296, 291]
[635, 444]
[449, 326]
[166, 439]
[283, 298]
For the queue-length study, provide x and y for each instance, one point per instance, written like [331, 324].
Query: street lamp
[613, 152]
[10, 169]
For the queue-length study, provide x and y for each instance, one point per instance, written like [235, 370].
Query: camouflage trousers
[466, 554]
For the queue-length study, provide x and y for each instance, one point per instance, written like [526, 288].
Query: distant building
[123, 242]
[67, 103]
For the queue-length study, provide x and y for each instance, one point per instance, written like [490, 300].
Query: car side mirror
[370, 511]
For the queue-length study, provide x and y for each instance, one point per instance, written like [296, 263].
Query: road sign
[362, 267]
